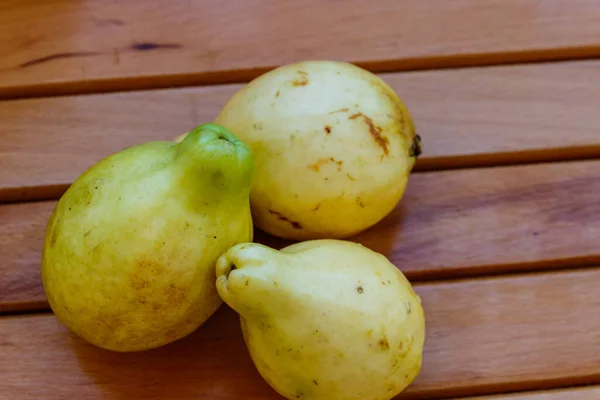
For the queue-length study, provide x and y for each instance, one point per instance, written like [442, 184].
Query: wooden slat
[47, 143]
[485, 335]
[466, 117]
[583, 393]
[66, 46]
[449, 223]
[21, 236]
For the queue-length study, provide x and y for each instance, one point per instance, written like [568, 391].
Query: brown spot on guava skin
[375, 132]
[317, 165]
[54, 236]
[281, 217]
[142, 269]
[338, 162]
[408, 307]
[360, 289]
[327, 129]
[383, 344]
[277, 93]
[139, 283]
[317, 207]
[340, 110]
[175, 296]
[314, 167]
[302, 80]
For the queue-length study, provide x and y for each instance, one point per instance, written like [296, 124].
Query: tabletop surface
[499, 230]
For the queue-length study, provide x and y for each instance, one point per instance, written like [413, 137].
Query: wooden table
[499, 229]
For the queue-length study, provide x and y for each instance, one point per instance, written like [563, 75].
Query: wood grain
[22, 229]
[471, 117]
[583, 393]
[66, 47]
[450, 223]
[483, 336]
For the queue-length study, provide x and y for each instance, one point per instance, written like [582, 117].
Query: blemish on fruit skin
[315, 382]
[317, 207]
[327, 129]
[174, 295]
[54, 236]
[281, 217]
[350, 177]
[317, 165]
[302, 80]
[340, 110]
[338, 162]
[374, 130]
[383, 344]
[143, 269]
[277, 93]
[360, 289]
